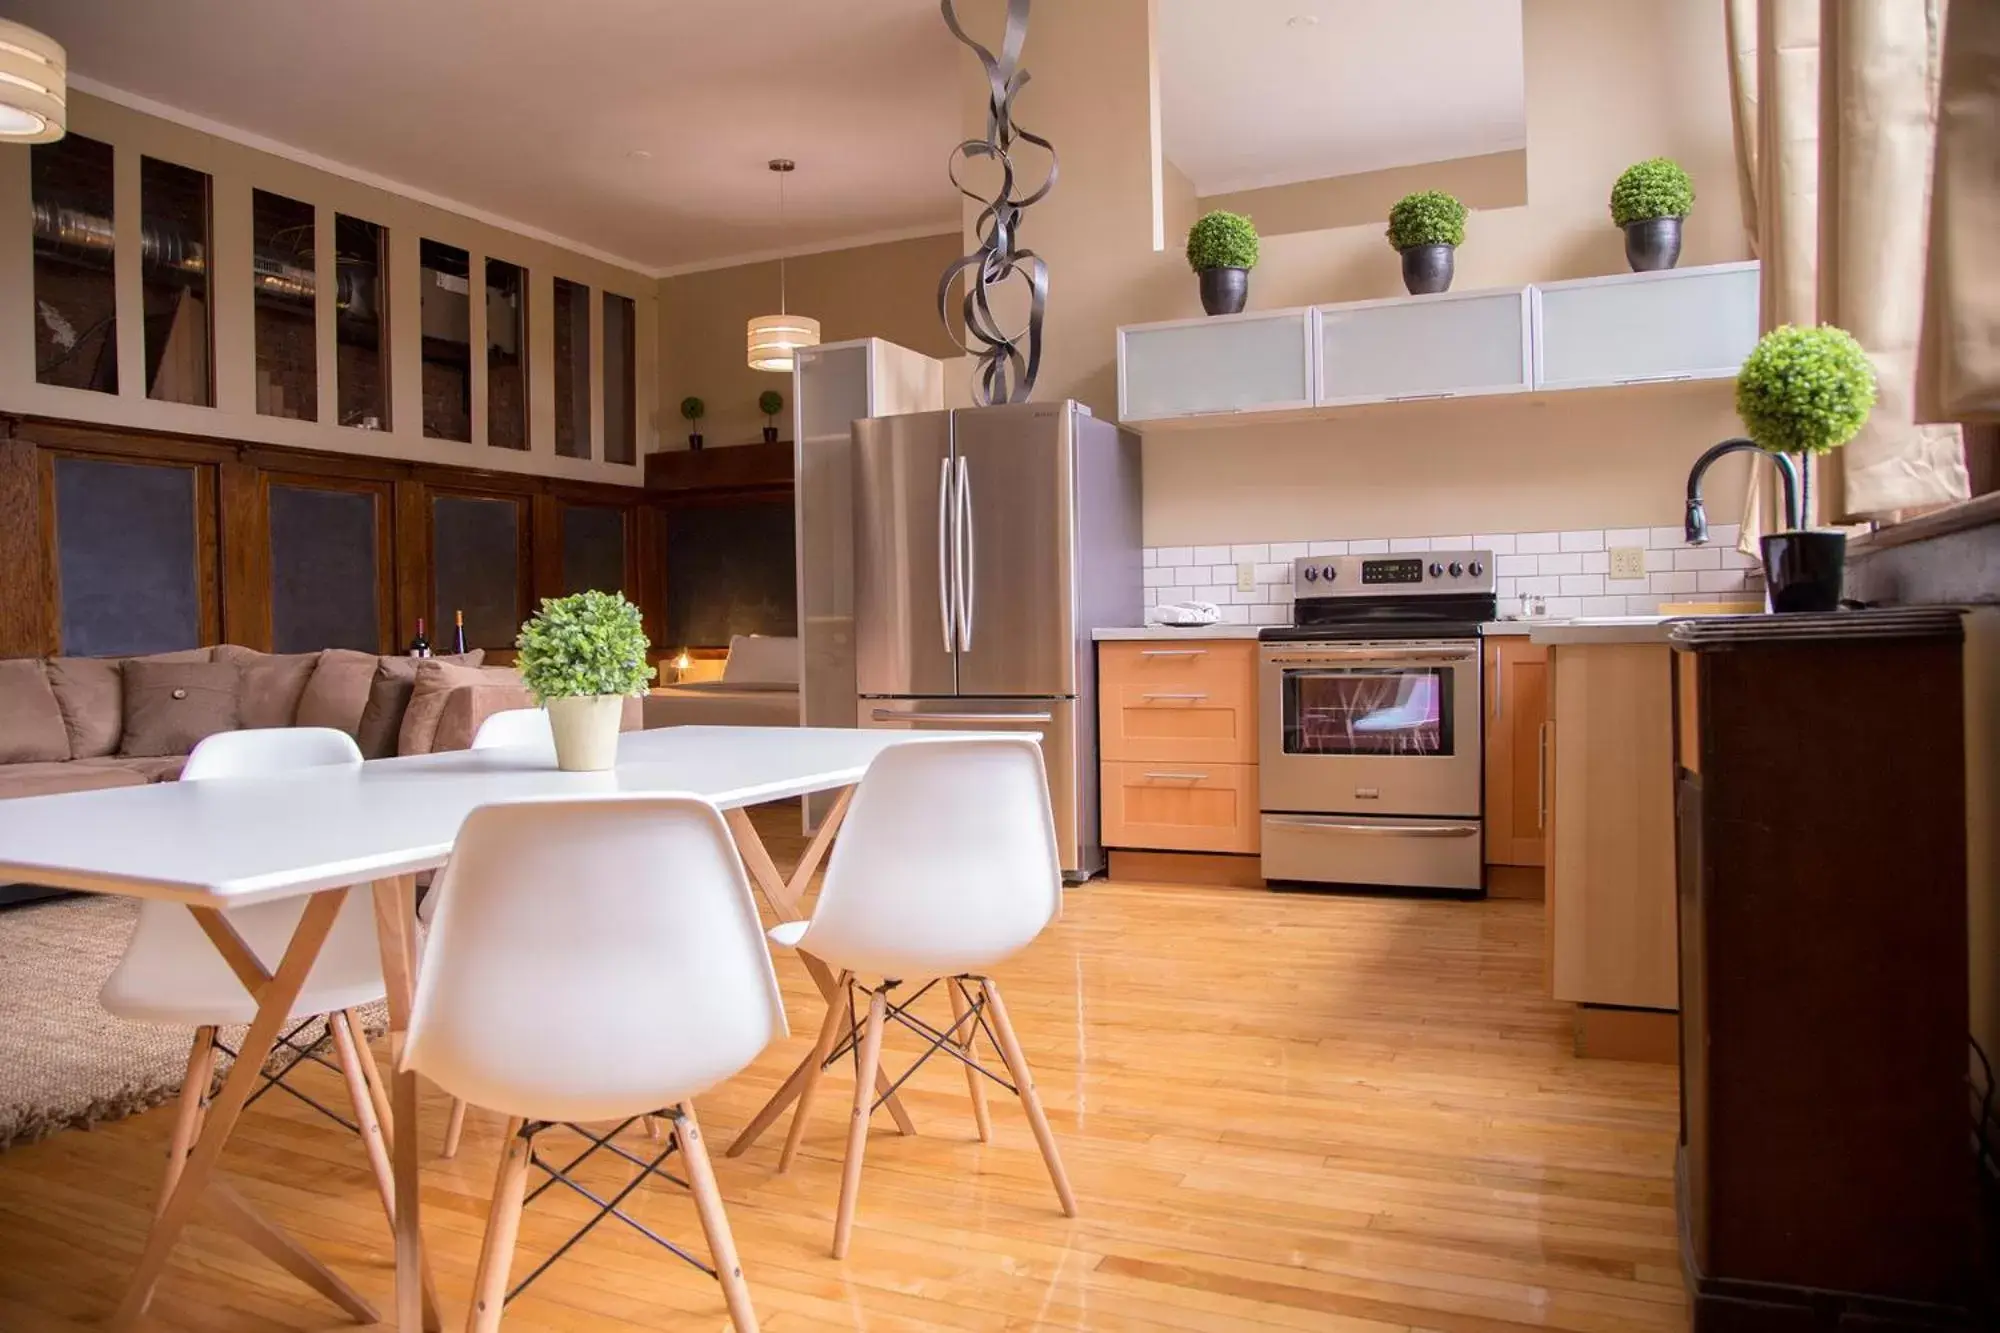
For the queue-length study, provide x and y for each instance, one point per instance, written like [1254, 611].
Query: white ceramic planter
[586, 731]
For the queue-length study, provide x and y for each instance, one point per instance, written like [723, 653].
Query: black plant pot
[1224, 290]
[1652, 244]
[1804, 569]
[694, 441]
[770, 434]
[1427, 269]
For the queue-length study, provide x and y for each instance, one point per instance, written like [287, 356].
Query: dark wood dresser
[1827, 1173]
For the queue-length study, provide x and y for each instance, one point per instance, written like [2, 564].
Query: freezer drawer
[1361, 849]
[1054, 720]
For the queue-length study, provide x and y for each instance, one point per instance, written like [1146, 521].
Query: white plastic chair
[172, 975]
[946, 867]
[593, 960]
[516, 727]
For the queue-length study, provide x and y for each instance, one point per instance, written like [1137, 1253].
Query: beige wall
[882, 291]
[1493, 180]
[1607, 84]
[236, 171]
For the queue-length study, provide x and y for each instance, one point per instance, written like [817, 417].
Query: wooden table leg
[395, 930]
[275, 994]
[784, 898]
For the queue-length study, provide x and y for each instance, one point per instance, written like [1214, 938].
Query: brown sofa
[77, 724]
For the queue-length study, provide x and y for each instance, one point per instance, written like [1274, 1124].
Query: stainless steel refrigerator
[988, 542]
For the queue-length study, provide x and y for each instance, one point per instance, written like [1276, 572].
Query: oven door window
[1369, 711]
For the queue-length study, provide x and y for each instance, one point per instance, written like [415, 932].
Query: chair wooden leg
[714, 1221]
[344, 1040]
[653, 1128]
[857, 1131]
[836, 1009]
[975, 1082]
[378, 1092]
[1017, 1065]
[503, 1227]
[454, 1127]
[187, 1120]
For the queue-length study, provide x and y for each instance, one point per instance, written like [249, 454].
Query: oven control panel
[1412, 573]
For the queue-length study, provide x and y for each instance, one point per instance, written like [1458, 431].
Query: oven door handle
[1341, 657]
[1379, 830]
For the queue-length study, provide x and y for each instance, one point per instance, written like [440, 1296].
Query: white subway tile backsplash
[1513, 566]
[1288, 550]
[1735, 559]
[1326, 548]
[1500, 543]
[1568, 563]
[1724, 534]
[1697, 557]
[1548, 585]
[1404, 545]
[1254, 552]
[1641, 605]
[1583, 540]
[1367, 546]
[1235, 615]
[1152, 597]
[1211, 555]
[1159, 578]
[1565, 606]
[1218, 593]
[1176, 555]
[1582, 585]
[1246, 596]
[1537, 543]
[1506, 590]
[1605, 606]
[1659, 559]
[1625, 585]
[1665, 537]
[1720, 580]
[1222, 574]
[1149, 557]
[1597, 562]
[1680, 581]
[1275, 614]
[1272, 572]
[1624, 537]
[1190, 576]
[1452, 544]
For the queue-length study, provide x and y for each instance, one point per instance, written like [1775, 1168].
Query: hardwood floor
[1279, 1111]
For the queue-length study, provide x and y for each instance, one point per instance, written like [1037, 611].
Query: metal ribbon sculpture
[1005, 374]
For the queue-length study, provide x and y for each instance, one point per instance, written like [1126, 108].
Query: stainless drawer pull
[983, 719]
[1150, 697]
[1173, 652]
[1176, 777]
[1381, 830]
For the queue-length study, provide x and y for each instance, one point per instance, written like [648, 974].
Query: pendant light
[776, 339]
[33, 105]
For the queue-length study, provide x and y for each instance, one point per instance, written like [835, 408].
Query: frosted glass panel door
[1637, 328]
[1424, 347]
[1235, 363]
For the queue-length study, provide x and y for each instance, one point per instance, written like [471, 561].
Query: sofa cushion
[91, 691]
[271, 686]
[31, 721]
[156, 768]
[764, 658]
[434, 684]
[337, 694]
[389, 691]
[171, 706]
[466, 709]
[53, 779]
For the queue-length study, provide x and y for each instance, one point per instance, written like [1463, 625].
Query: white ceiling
[536, 112]
[1249, 97]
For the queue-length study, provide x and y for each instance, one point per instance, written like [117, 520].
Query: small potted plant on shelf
[581, 657]
[1650, 200]
[1804, 392]
[770, 403]
[1426, 227]
[694, 410]
[1222, 249]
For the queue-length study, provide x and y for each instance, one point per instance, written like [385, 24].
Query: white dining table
[317, 833]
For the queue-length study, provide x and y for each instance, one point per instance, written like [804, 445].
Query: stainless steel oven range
[1370, 741]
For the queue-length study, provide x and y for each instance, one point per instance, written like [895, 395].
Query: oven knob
[1456, 569]
[1327, 573]
[1310, 573]
[1437, 570]
[1475, 569]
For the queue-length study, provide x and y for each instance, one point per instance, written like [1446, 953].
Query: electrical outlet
[1628, 562]
[1246, 576]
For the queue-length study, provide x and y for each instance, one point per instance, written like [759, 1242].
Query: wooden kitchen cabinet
[1177, 737]
[1517, 704]
[1610, 834]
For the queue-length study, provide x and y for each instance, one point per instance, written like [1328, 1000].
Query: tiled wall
[1572, 570]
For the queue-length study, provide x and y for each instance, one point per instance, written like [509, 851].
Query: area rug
[64, 1062]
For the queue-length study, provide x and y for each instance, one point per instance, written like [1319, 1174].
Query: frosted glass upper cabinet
[1260, 362]
[1443, 346]
[1642, 328]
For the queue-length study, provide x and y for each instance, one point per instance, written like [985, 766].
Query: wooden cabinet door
[1517, 703]
[1179, 702]
[1181, 807]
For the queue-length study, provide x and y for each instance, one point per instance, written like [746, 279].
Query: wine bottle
[420, 646]
[459, 617]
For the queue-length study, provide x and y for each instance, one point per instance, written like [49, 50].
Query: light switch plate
[1246, 576]
[1628, 562]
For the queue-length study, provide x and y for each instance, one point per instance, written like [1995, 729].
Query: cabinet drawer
[1193, 701]
[1181, 807]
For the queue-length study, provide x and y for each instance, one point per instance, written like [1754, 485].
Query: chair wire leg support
[946, 1041]
[301, 1051]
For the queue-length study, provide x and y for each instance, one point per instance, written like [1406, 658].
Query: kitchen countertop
[1603, 629]
[1176, 632]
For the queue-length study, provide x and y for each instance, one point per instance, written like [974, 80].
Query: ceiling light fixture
[33, 105]
[776, 339]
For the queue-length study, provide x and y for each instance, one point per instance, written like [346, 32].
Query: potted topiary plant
[580, 657]
[1222, 249]
[1425, 227]
[694, 410]
[1650, 200]
[770, 403]
[1804, 392]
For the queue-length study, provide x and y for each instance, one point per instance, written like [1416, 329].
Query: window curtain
[1959, 366]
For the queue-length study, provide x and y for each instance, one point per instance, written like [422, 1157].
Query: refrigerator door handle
[944, 551]
[966, 557]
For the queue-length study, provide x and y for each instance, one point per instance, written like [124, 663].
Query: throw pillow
[31, 721]
[435, 681]
[91, 691]
[171, 706]
[272, 684]
[337, 694]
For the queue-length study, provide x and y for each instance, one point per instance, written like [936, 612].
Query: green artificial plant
[1426, 217]
[1222, 240]
[1804, 392]
[1655, 188]
[693, 409]
[770, 402]
[590, 643]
